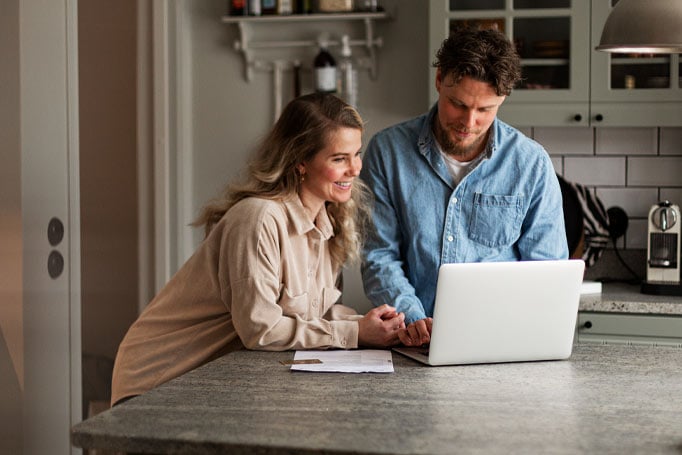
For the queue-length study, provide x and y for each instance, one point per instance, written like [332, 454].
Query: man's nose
[469, 118]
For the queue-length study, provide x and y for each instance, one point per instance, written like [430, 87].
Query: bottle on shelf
[269, 6]
[367, 5]
[237, 7]
[254, 7]
[304, 6]
[347, 82]
[325, 70]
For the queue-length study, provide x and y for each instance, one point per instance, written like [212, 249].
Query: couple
[453, 185]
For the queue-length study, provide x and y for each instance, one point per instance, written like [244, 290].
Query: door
[50, 223]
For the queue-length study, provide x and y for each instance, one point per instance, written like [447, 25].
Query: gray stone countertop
[604, 399]
[627, 298]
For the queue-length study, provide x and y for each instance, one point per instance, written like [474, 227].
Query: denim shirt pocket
[496, 219]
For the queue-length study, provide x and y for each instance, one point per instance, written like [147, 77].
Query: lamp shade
[643, 26]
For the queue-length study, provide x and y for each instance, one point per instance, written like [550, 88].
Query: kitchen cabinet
[613, 328]
[566, 82]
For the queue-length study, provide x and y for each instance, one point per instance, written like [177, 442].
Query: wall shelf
[248, 47]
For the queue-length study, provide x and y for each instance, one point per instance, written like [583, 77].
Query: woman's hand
[417, 333]
[380, 327]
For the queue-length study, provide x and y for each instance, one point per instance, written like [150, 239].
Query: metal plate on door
[55, 264]
[55, 231]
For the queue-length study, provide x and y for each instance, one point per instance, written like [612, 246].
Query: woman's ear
[301, 169]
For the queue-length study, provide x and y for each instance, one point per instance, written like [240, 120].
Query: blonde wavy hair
[304, 128]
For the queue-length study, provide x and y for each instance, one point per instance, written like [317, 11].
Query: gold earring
[302, 178]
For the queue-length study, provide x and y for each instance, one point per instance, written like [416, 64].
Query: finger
[413, 334]
[404, 337]
[422, 331]
[384, 311]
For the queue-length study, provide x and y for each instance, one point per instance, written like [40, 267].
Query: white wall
[11, 318]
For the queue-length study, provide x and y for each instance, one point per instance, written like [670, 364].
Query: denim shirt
[508, 208]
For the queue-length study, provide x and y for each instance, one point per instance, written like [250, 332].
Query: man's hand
[417, 333]
[380, 327]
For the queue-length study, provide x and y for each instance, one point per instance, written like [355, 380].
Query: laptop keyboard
[424, 350]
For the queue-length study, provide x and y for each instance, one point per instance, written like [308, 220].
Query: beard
[458, 150]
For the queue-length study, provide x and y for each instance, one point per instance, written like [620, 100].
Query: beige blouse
[262, 279]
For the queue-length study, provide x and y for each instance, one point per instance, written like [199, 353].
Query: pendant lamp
[643, 26]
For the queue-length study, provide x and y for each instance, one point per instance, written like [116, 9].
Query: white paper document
[355, 361]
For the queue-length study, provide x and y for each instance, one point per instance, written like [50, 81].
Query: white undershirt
[458, 169]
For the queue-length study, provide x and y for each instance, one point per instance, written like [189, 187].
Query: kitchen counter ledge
[604, 399]
[626, 298]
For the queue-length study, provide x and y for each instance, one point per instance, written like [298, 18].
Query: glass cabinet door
[552, 39]
[632, 89]
[631, 77]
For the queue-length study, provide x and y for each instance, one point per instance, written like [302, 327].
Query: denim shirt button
[450, 238]
[454, 200]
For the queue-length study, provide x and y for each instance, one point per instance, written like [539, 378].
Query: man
[457, 184]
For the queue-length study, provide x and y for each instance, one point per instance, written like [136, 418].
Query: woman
[265, 275]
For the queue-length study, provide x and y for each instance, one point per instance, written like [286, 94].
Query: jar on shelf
[334, 6]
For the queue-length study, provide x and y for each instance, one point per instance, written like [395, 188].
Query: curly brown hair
[485, 55]
[303, 129]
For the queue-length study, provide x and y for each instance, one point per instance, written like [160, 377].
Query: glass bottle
[347, 83]
[325, 70]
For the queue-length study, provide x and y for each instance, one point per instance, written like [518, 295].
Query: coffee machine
[663, 250]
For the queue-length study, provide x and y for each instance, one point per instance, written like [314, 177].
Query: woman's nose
[355, 166]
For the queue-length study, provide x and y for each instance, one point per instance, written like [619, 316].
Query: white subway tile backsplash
[626, 141]
[565, 141]
[558, 164]
[594, 171]
[655, 171]
[636, 235]
[632, 168]
[671, 141]
[635, 201]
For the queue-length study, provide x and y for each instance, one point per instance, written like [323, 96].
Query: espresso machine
[663, 250]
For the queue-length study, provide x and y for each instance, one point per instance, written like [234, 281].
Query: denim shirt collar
[429, 149]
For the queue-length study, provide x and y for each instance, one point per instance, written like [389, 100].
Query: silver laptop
[488, 312]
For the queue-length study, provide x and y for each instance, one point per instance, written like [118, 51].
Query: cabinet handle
[599, 117]
[577, 117]
[587, 324]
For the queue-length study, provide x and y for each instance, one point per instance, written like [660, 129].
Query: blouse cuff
[345, 334]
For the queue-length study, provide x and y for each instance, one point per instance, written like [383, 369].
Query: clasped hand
[381, 327]
[417, 333]
[384, 326]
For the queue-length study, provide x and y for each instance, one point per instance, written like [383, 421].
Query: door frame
[48, 37]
